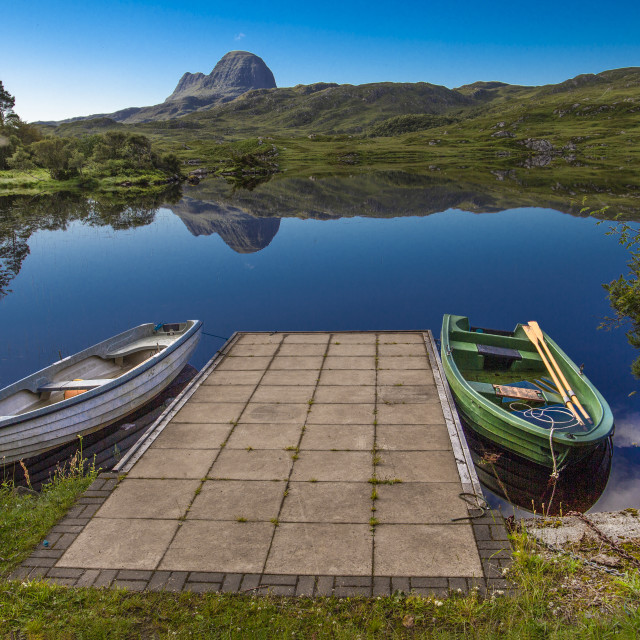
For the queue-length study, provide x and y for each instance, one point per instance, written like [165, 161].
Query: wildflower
[438, 603]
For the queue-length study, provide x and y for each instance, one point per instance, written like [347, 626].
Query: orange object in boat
[75, 392]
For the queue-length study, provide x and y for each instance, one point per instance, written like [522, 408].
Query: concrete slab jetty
[295, 463]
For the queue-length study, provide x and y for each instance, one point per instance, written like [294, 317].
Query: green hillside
[585, 131]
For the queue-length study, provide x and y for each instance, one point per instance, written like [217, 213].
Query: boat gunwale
[7, 421]
[589, 438]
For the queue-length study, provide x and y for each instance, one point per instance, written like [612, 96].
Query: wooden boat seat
[145, 344]
[499, 352]
[487, 389]
[73, 385]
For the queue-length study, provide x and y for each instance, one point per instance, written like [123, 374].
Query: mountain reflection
[240, 230]
[246, 218]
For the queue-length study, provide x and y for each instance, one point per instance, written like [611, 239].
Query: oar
[532, 336]
[570, 392]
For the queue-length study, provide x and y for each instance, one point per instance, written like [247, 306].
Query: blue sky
[67, 58]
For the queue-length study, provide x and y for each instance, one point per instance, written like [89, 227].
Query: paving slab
[412, 437]
[350, 363]
[223, 393]
[261, 338]
[359, 337]
[265, 436]
[149, 498]
[348, 378]
[404, 363]
[210, 412]
[234, 499]
[283, 377]
[294, 363]
[355, 413]
[192, 436]
[284, 393]
[401, 338]
[118, 543]
[333, 466]
[270, 468]
[327, 502]
[399, 377]
[426, 550]
[199, 546]
[425, 413]
[174, 463]
[307, 338]
[297, 349]
[229, 378]
[407, 394]
[336, 394]
[266, 412]
[255, 349]
[261, 464]
[317, 549]
[418, 466]
[401, 349]
[245, 363]
[356, 437]
[354, 349]
[419, 503]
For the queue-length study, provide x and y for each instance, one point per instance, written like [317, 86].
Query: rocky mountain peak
[235, 73]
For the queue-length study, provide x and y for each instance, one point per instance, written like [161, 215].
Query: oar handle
[537, 331]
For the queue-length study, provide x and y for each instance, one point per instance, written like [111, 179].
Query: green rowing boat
[502, 390]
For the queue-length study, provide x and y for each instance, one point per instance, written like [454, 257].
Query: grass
[26, 518]
[545, 606]
[555, 598]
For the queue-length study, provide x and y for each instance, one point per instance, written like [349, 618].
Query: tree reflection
[22, 215]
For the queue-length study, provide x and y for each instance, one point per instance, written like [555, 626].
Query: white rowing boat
[93, 388]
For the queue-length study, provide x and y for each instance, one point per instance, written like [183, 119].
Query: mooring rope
[542, 414]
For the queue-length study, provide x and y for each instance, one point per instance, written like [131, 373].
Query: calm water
[345, 262]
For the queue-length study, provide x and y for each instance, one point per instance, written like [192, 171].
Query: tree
[54, 154]
[7, 102]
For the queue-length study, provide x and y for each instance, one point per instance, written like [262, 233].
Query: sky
[65, 58]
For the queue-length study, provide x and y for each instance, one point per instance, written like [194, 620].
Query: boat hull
[25, 437]
[515, 434]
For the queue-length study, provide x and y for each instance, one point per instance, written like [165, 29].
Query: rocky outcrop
[236, 73]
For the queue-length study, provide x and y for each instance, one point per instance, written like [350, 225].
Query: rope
[543, 415]
[213, 335]
[605, 538]
[481, 504]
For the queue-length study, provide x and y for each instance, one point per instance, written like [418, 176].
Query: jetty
[308, 464]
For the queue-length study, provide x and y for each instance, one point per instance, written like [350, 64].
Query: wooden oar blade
[534, 328]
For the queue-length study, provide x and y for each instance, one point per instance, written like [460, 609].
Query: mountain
[235, 73]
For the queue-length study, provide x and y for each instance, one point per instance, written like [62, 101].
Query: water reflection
[241, 231]
[22, 215]
[527, 485]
